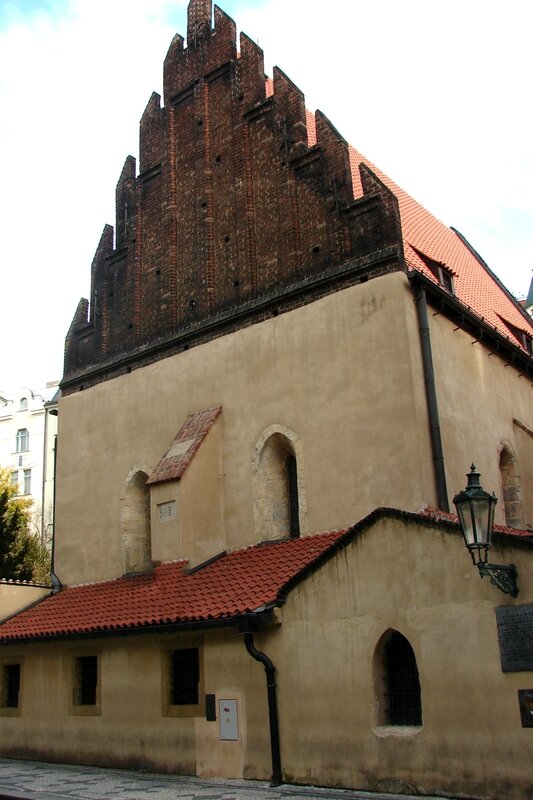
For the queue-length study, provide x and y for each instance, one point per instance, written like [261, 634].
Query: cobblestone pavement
[31, 780]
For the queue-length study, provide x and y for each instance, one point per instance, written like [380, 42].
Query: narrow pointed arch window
[292, 490]
[279, 501]
[135, 526]
[510, 488]
[397, 682]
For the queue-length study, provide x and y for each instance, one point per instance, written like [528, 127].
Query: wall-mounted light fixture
[475, 509]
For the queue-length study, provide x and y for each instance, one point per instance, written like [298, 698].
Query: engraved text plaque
[515, 633]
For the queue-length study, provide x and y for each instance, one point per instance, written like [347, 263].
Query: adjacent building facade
[283, 372]
[28, 427]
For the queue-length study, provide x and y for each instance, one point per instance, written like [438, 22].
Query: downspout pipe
[431, 398]
[56, 583]
[270, 671]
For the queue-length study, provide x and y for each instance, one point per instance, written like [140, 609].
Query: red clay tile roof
[437, 515]
[235, 584]
[185, 445]
[474, 286]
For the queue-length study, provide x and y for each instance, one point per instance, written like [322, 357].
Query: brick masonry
[233, 217]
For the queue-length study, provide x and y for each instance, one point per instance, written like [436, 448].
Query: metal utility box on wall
[227, 714]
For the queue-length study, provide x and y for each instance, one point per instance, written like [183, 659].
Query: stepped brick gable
[231, 205]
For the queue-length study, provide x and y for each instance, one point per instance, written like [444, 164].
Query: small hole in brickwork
[192, 303]
[236, 284]
[128, 370]
[204, 204]
[282, 163]
[111, 294]
[200, 122]
[241, 98]
[158, 272]
[185, 346]
[82, 387]
[218, 159]
[363, 279]
[275, 312]
[130, 326]
[315, 249]
[226, 238]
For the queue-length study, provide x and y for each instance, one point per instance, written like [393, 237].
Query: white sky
[437, 94]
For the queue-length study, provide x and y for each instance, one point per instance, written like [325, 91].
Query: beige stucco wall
[343, 374]
[479, 395]
[129, 727]
[15, 597]
[396, 575]
[421, 582]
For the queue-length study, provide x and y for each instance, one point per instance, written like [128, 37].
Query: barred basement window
[86, 680]
[402, 685]
[11, 686]
[184, 676]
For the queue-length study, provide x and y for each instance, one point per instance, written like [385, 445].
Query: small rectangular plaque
[515, 634]
[167, 511]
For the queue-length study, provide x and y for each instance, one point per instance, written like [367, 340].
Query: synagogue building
[275, 390]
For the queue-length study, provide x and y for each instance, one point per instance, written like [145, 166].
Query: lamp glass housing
[475, 508]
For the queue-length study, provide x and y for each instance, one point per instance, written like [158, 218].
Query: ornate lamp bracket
[503, 576]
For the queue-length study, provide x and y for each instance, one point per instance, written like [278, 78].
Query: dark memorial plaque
[515, 633]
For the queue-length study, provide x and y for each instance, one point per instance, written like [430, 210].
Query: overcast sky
[437, 94]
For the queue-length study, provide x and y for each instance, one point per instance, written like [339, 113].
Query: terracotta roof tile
[437, 515]
[237, 583]
[185, 445]
[474, 286]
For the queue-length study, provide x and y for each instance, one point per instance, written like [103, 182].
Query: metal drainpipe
[431, 399]
[270, 671]
[56, 583]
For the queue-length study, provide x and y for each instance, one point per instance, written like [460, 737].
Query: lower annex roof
[232, 585]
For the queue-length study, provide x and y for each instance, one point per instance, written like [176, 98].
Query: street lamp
[475, 509]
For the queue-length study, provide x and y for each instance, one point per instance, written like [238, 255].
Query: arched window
[510, 488]
[135, 526]
[397, 682]
[279, 501]
[292, 490]
[22, 440]
[23, 405]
